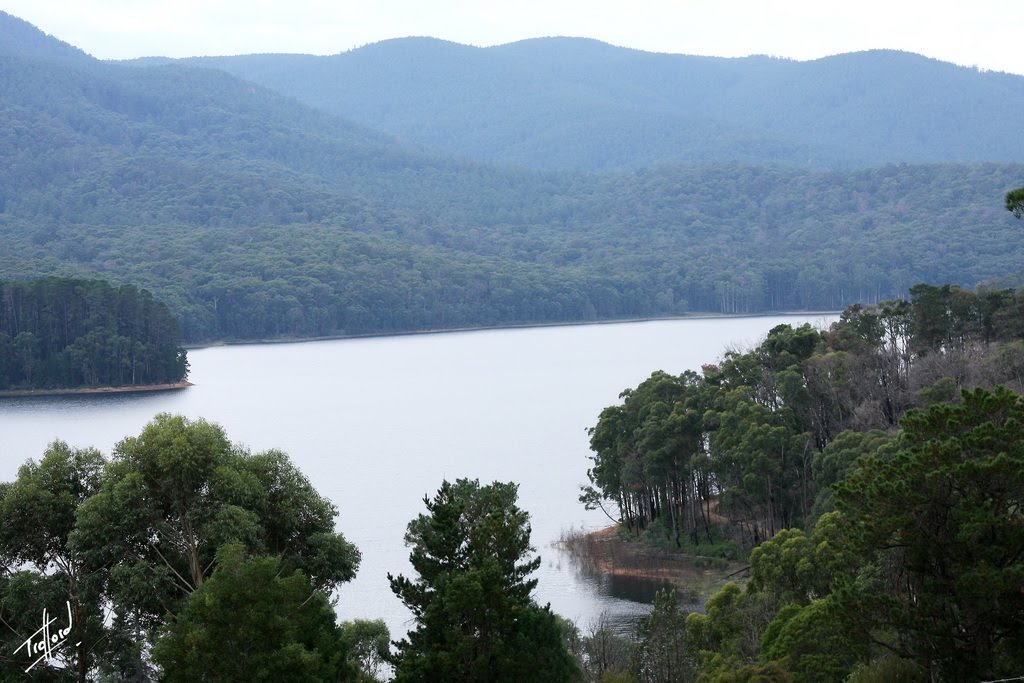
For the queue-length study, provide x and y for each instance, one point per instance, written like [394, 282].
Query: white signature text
[44, 641]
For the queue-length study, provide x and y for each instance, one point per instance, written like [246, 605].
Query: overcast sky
[983, 33]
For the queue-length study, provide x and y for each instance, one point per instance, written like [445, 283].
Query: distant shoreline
[85, 391]
[511, 326]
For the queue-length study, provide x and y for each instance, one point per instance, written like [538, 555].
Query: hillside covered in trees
[63, 333]
[253, 216]
[578, 104]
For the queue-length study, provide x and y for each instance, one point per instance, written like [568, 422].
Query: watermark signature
[44, 641]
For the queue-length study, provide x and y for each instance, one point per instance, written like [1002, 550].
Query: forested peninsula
[63, 334]
[876, 471]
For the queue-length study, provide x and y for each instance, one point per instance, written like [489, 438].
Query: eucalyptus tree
[253, 621]
[37, 514]
[649, 455]
[176, 493]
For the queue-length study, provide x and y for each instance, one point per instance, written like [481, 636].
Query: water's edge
[85, 391]
[509, 326]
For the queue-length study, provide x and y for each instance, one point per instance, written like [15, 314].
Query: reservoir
[377, 423]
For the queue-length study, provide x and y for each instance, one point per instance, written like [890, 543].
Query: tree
[1015, 202]
[603, 653]
[815, 642]
[179, 491]
[663, 655]
[252, 622]
[941, 525]
[129, 543]
[367, 645]
[37, 513]
[476, 619]
[60, 332]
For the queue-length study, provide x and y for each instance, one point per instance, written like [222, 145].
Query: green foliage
[237, 550]
[476, 619]
[367, 644]
[59, 333]
[816, 642]
[761, 461]
[785, 565]
[771, 672]
[38, 509]
[37, 514]
[252, 216]
[914, 550]
[663, 654]
[180, 490]
[889, 669]
[939, 524]
[253, 622]
[1015, 202]
[921, 560]
[787, 623]
[728, 635]
[943, 390]
[757, 443]
[648, 455]
[838, 458]
[23, 597]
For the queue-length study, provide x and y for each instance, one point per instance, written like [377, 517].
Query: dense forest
[684, 242]
[577, 104]
[252, 216]
[875, 467]
[62, 333]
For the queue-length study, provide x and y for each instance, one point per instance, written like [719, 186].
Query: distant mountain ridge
[22, 39]
[253, 215]
[568, 103]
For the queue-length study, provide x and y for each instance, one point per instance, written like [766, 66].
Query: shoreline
[92, 391]
[509, 326]
[605, 552]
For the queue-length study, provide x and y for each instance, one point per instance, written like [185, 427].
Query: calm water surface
[376, 424]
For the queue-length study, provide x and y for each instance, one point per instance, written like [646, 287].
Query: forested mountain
[567, 103]
[21, 39]
[252, 215]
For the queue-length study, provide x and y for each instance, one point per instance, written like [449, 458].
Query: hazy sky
[983, 33]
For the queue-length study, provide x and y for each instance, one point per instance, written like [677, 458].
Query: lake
[378, 423]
